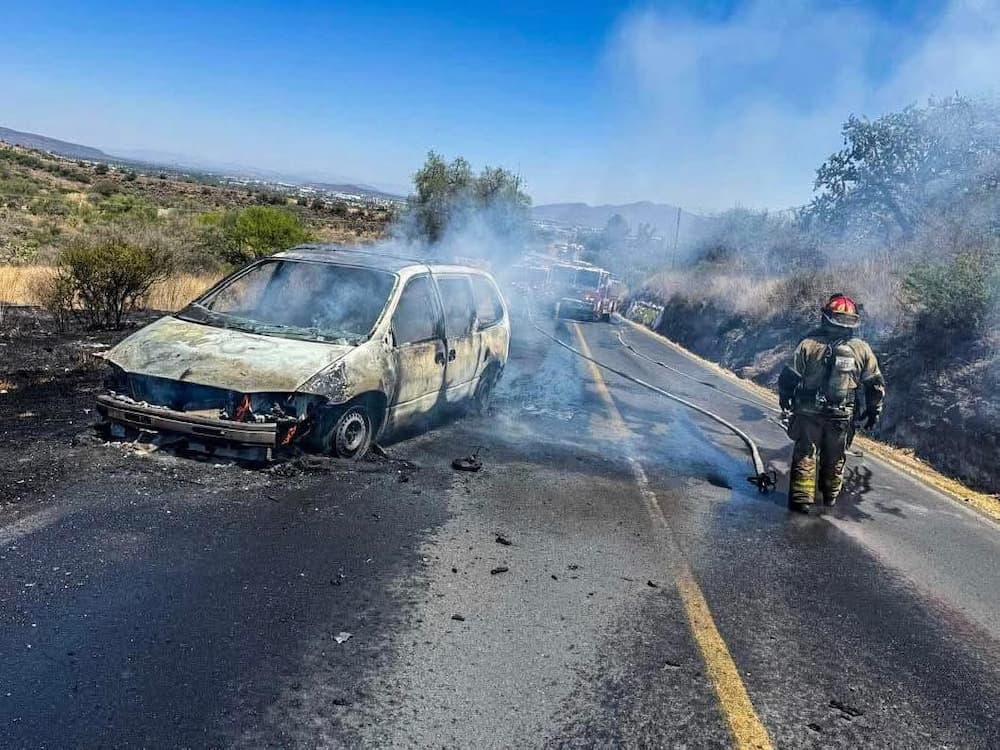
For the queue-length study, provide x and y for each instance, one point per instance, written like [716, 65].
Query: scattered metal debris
[849, 711]
[458, 617]
[652, 584]
[501, 539]
[343, 636]
[499, 569]
[470, 462]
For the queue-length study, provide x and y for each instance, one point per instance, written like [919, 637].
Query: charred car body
[319, 346]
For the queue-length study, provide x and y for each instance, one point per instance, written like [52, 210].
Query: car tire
[483, 396]
[351, 433]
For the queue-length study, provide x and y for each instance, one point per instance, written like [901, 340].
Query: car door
[493, 337]
[419, 352]
[459, 327]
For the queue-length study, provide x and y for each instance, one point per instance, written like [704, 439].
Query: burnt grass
[946, 409]
[48, 438]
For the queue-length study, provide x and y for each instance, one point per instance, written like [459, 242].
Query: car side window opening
[417, 317]
[459, 307]
[489, 309]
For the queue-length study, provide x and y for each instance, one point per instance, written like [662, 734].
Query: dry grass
[739, 293]
[179, 290]
[17, 284]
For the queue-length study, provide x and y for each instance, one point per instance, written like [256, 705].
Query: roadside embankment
[944, 411]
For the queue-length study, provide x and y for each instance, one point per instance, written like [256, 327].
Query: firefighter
[833, 380]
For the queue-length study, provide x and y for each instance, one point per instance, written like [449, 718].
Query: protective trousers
[819, 454]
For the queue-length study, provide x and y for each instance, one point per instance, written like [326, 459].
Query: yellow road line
[734, 701]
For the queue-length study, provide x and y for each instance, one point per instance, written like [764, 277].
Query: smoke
[740, 111]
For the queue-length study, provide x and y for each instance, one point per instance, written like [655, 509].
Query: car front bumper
[199, 429]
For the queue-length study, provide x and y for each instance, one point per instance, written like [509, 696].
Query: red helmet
[841, 311]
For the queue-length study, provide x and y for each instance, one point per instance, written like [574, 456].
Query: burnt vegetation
[905, 219]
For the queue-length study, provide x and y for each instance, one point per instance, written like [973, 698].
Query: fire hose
[683, 374]
[763, 479]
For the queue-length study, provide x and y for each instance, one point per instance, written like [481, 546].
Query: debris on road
[457, 617]
[652, 585]
[467, 463]
[844, 708]
[343, 636]
[499, 569]
[501, 539]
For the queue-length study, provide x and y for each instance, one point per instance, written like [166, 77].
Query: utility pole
[677, 237]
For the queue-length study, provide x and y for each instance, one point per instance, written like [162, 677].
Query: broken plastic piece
[342, 636]
[467, 463]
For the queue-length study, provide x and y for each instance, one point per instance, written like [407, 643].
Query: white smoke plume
[687, 137]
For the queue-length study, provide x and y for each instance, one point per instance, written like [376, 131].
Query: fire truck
[582, 291]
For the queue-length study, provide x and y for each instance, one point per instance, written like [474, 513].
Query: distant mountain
[659, 215]
[54, 145]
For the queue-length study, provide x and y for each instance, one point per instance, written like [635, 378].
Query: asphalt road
[648, 596]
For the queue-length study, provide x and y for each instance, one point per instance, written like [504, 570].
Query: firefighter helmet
[840, 311]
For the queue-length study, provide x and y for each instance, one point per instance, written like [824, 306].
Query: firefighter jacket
[830, 372]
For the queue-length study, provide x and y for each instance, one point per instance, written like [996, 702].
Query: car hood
[221, 357]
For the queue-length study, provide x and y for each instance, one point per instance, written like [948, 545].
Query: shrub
[105, 188]
[950, 302]
[55, 293]
[101, 169]
[130, 176]
[121, 206]
[258, 231]
[104, 279]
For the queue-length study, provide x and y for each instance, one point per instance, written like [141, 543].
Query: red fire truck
[580, 290]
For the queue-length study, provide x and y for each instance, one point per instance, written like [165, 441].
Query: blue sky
[701, 104]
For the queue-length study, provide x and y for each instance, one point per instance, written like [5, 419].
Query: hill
[52, 145]
[662, 216]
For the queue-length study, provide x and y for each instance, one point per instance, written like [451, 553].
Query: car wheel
[351, 433]
[483, 396]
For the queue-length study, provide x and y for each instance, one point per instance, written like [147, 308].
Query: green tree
[446, 194]
[101, 168]
[895, 169]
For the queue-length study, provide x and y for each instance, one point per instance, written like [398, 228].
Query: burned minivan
[319, 347]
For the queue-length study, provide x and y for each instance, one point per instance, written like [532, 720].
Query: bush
[259, 231]
[104, 279]
[101, 169]
[120, 206]
[130, 176]
[55, 294]
[105, 188]
[950, 302]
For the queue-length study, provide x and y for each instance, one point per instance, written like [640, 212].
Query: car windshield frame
[199, 310]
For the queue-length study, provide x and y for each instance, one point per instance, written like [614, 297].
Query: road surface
[648, 595]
